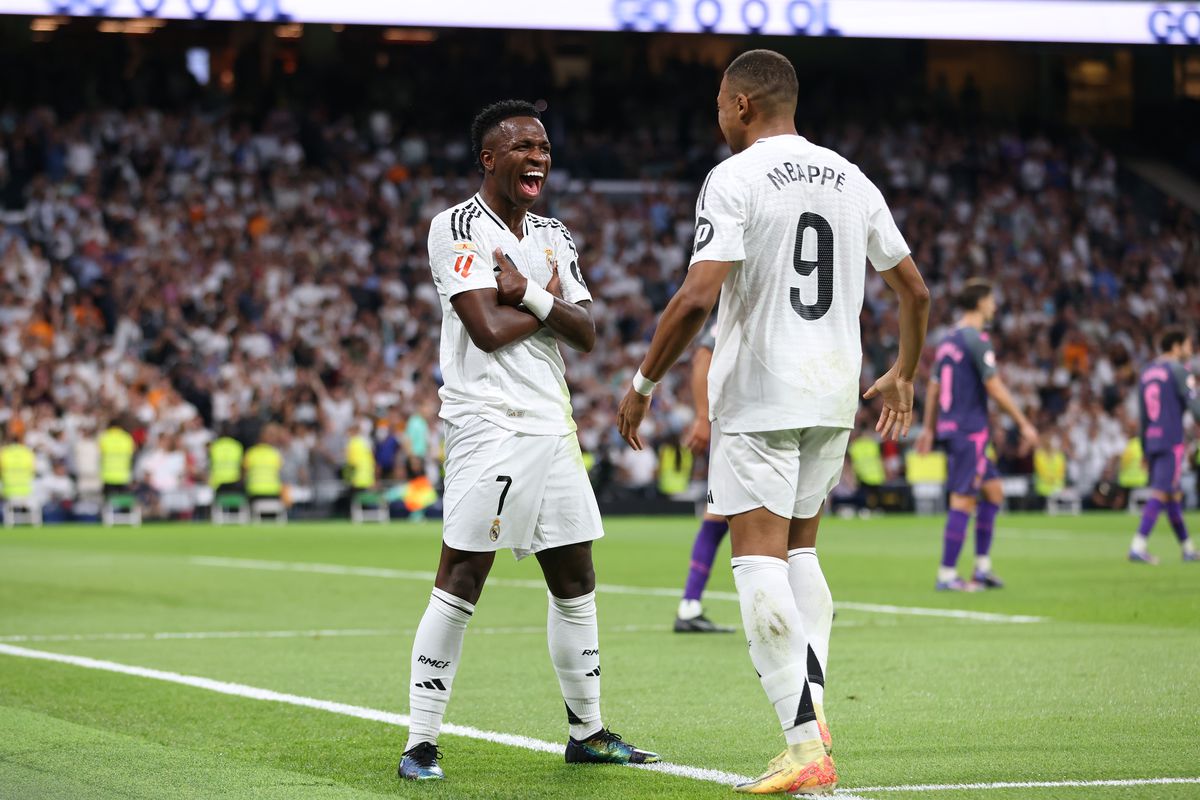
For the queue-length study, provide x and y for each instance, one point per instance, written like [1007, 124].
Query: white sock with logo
[435, 655]
[574, 641]
[815, 604]
[779, 649]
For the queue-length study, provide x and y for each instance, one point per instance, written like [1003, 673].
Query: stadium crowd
[187, 274]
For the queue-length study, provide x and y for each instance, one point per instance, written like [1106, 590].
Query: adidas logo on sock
[436, 683]
[593, 674]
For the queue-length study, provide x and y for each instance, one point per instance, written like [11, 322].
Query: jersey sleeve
[570, 274]
[459, 264]
[1185, 384]
[720, 219]
[885, 244]
[979, 345]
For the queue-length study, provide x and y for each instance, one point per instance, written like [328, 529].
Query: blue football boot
[420, 763]
[606, 747]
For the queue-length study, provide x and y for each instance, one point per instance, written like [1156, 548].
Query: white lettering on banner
[1100, 21]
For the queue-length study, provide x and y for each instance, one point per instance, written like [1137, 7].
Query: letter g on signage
[644, 15]
[1175, 23]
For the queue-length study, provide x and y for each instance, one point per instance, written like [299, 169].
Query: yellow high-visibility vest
[674, 469]
[866, 456]
[1049, 472]
[224, 461]
[361, 461]
[16, 471]
[927, 468]
[116, 457]
[263, 465]
[1133, 474]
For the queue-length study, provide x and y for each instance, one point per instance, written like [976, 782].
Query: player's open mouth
[531, 182]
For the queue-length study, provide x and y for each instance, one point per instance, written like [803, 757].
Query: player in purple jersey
[690, 618]
[1166, 391]
[956, 416]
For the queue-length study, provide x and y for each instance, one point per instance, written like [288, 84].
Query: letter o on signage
[707, 14]
[762, 14]
[810, 15]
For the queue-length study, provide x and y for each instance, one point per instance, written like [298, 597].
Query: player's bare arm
[490, 324]
[999, 392]
[681, 321]
[929, 424]
[571, 322]
[701, 432]
[895, 388]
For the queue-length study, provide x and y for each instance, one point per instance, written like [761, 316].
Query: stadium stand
[191, 273]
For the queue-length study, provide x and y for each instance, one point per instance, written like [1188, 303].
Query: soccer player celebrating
[1166, 391]
[690, 617]
[784, 229]
[956, 407]
[514, 472]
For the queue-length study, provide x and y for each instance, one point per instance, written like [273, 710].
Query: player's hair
[766, 77]
[972, 294]
[491, 116]
[1170, 337]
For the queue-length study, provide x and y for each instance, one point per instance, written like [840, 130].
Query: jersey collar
[496, 217]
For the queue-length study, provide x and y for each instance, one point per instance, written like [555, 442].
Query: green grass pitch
[1103, 688]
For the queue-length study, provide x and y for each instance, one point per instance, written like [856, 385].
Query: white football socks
[778, 649]
[435, 654]
[815, 604]
[575, 651]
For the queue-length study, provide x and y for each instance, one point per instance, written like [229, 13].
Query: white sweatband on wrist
[643, 385]
[539, 302]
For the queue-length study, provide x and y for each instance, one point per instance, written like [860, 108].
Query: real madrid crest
[551, 261]
[494, 533]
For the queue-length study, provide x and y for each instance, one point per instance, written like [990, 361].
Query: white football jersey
[800, 223]
[521, 386]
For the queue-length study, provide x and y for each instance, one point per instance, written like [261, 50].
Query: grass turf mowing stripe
[644, 591]
[23, 638]
[526, 742]
[345, 709]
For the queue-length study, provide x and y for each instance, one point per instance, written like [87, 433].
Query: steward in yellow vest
[866, 457]
[17, 471]
[674, 469]
[360, 464]
[116, 459]
[225, 464]
[1049, 471]
[1132, 473]
[263, 467]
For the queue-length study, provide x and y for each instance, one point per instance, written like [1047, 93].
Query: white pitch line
[516, 740]
[311, 634]
[344, 709]
[945, 787]
[603, 588]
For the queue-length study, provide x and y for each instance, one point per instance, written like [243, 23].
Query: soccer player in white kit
[511, 289]
[784, 229]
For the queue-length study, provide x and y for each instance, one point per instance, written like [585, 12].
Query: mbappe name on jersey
[814, 174]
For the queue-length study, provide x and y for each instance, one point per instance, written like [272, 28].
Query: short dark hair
[972, 293]
[1170, 337]
[765, 76]
[491, 116]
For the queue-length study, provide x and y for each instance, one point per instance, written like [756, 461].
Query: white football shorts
[515, 490]
[789, 472]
